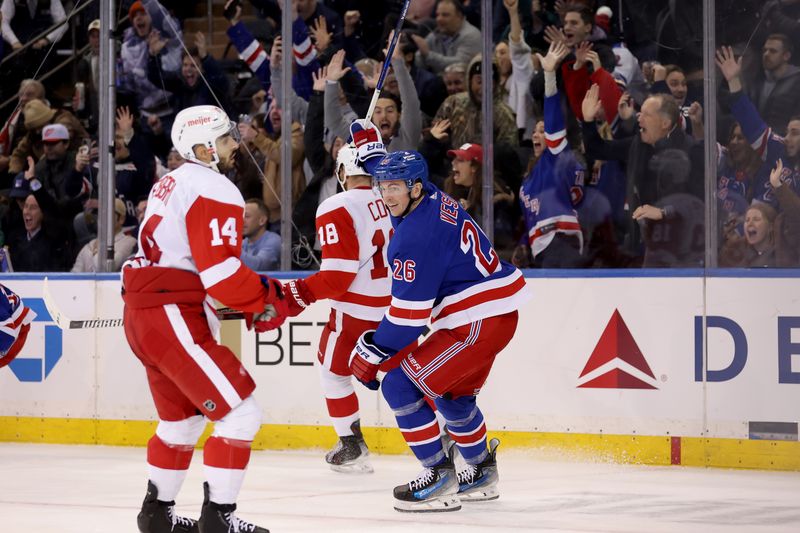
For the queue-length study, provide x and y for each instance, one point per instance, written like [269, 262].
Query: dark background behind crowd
[605, 172]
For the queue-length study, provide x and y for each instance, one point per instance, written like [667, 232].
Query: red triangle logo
[616, 342]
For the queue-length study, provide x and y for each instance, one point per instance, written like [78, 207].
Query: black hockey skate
[478, 483]
[219, 518]
[350, 455]
[160, 517]
[434, 490]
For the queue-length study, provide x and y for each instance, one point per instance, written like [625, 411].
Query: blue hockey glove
[366, 359]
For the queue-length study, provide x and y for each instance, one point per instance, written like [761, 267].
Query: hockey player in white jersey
[353, 229]
[189, 248]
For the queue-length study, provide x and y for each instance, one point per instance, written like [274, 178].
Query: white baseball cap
[55, 133]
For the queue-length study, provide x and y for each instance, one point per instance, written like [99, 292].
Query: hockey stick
[387, 62]
[63, 322]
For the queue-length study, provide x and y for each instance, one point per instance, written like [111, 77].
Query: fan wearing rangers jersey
[446, 273]
[353, 229]
[15, 322]
[555, 185]
[189, 247]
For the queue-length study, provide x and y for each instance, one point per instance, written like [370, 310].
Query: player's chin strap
[412, 202]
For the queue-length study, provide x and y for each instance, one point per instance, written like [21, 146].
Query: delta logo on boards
[617, 362]
[36, 368]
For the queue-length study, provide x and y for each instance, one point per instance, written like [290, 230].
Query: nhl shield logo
[209, 405]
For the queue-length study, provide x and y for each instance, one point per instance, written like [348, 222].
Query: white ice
[82, 489]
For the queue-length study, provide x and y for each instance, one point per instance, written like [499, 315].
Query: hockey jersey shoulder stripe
[341, 265]
[220, 272]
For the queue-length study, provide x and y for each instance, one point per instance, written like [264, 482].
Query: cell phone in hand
[85, 147]
[230, 11]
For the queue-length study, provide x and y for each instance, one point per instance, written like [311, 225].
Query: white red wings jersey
[353, 228]
[194, 222]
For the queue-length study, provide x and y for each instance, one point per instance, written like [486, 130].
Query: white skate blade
[480, 494]
[443, 504]
[356, 467]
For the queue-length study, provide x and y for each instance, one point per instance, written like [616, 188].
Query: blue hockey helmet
[406, 165]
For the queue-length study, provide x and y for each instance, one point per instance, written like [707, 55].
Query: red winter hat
[135, 8]
[603, 18]
[468, 152]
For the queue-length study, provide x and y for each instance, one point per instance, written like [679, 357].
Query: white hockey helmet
[201, 124]
[348, 158]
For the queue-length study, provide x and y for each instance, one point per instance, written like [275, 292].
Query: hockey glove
[366, 360]
[298, 296]
[276, 308]
[369, 144]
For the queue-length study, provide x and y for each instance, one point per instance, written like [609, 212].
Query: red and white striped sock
[225, 462]
[167, 465]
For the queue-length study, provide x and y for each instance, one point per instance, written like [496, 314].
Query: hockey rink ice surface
[81, 489]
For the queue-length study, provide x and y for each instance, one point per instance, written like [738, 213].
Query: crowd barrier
[662, 367]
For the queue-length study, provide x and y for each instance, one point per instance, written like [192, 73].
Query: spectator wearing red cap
[465, 184]
[37, 114]
[153, 32]
[60, 173]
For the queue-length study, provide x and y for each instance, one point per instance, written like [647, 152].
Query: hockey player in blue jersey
[444, 273]
[15, 320]
[555, 185]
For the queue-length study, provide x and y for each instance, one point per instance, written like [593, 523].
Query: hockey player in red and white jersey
[189, 248]
[353, 228]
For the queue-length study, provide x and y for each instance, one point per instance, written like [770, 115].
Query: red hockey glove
[366, 360]
[276, 308]
[298, 296]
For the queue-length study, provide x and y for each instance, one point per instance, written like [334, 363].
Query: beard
[227, 164]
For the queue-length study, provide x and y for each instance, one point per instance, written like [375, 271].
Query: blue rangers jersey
[14, 320]
[769, 146]
[303, 51]
[554, 186]
[734, 187]
[444, 271]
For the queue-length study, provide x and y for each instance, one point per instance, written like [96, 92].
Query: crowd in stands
[598, 157]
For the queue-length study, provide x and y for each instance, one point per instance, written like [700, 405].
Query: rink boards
[606, 364]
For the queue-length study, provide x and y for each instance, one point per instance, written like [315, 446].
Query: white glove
[368, 142]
